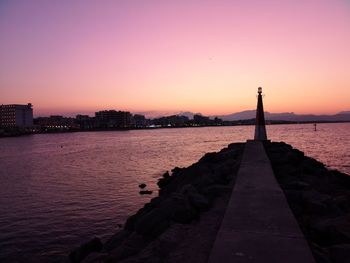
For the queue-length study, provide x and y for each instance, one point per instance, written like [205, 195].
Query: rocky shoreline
[319, 199]
[180, 224]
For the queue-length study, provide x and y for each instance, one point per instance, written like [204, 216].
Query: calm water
[58, 190]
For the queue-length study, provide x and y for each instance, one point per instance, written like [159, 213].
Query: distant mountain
[188, 114]
[287, 116]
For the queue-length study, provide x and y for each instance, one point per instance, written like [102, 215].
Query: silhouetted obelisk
[260, 130]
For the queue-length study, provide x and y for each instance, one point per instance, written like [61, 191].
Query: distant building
[113, 119]
[139, 120]
[202, 120]
[85, 122]
[16, 116]
[56, 122]
[173, 120]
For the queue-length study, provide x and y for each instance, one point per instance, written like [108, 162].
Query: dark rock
[116, 240]
[315, 202]
[175, 208]
[166, 175]
[176, 170]
[183, 212]
[209, 157]
[320, 254]
[130, 247]
[96, 258]
[131, 221]
[153, 222]
[145, 192]
[163, 182]
[196, 199]
[343, 202]
[216, 190]
[94, 245]
[142, 186]
[340, 253]
[341, 178]
[331, 231]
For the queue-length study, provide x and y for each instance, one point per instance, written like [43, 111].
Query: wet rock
[175, 208]
[145, 192]
[130, 247]
[343, 202]
[116, 240]
[196, 199]
[176, 170]
[209, 157]
[162, 182]
[321, 255]
[153, 222]
[315, 202]
[216, 190]
[331, 231]
[166, 175]
[94, 245]
[183, 212]
[95, 258]
[142, 186]
[340, 253]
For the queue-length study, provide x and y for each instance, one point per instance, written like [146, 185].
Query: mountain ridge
[286, 116]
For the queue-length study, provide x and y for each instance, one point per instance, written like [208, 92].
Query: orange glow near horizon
[170, 56]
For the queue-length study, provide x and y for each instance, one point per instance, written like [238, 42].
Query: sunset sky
[205, 56]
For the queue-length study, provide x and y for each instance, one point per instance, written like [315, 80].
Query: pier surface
[258, 225]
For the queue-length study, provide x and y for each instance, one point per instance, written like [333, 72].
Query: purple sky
[198, 55]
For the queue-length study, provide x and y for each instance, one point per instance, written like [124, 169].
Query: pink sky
[204, 56]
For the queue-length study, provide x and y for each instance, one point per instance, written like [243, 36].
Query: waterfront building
[113, 119]
[56, 122]
[173, 120]
[16, 116]
[139, 120]
[201, 120]
[85, 122]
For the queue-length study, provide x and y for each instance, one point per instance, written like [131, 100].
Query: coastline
[26, 133]
[184, 218]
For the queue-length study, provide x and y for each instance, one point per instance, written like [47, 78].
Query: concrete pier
[258, 225]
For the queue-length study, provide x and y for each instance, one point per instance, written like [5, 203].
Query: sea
[59, 190]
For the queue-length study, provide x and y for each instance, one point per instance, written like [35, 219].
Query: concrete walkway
[258, 225]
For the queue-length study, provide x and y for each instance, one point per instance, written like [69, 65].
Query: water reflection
[60, 189]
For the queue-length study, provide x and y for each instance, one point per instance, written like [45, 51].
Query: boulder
[146, 192]
[94, 245]
[166, 175]
[95, 257]
[209, 157]
[116, 240]
[183, 212]
[130, 247]
[331, 231]
[142, 186]
[340, 253]
[197, 200]
[153, 222]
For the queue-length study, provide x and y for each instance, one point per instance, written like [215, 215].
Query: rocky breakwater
[180, 224]
[319, 199]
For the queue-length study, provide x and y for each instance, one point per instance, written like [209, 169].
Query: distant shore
[22, 132]
[181, 223]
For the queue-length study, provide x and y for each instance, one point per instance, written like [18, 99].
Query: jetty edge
[181, 224]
